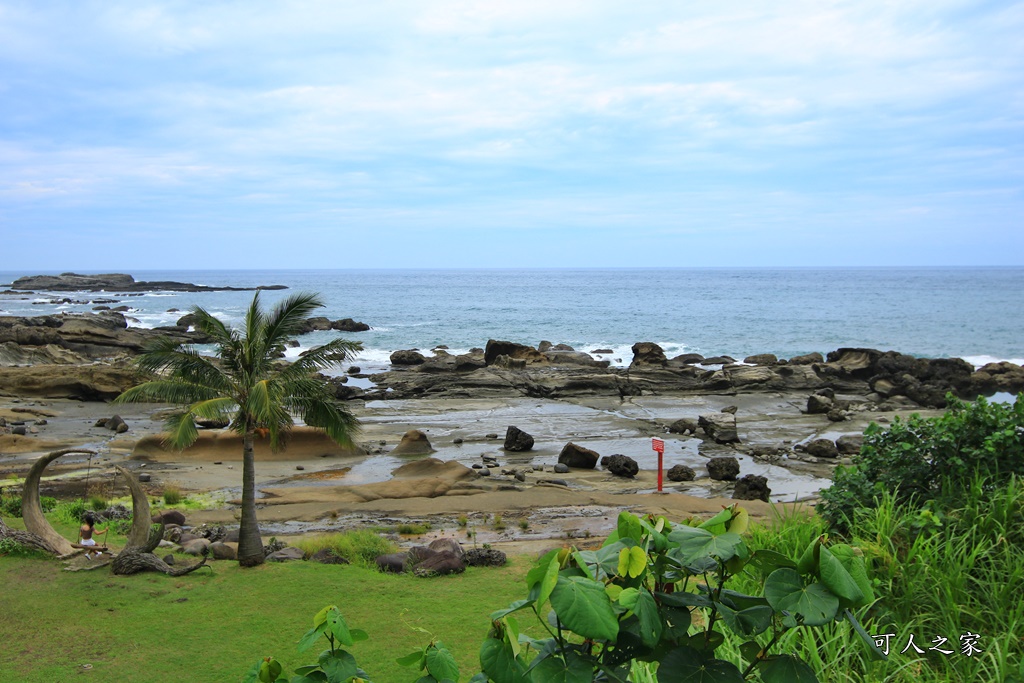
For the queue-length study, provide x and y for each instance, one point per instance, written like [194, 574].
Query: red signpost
[659, 446]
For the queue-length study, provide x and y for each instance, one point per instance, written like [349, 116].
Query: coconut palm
[247, 385]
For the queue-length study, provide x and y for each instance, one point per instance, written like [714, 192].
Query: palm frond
[321, 358]
[181, 431]
[184, 362]
[328, 415]
[214, 408]
[288, 316]
[210, 325]
[255, 324]
[177, 391]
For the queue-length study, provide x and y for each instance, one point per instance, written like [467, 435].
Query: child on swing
[86, 533]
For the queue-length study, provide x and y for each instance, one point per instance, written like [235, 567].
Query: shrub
[358, 547]
[98, 503]
[408, 529]
[930, 462]
[70, 512]
[172, 495]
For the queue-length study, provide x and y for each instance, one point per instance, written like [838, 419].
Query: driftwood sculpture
[137, 556]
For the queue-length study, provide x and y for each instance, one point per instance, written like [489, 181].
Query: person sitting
[86, 533]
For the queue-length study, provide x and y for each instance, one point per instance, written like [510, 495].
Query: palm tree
[248, 386]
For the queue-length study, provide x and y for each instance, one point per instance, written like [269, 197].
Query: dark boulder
[393, 562]
[807, 359]
[578, 457]
[349, 325]
[485, 557]
[719, 426]
[446, 545]
[621, 465]
[718, 360]
[440, 564]
[687, 359]
[822, 448]
[683, 425]
[681, 473]
[849, 444]
[223, 551]
[518, 352]
[818, 404]
[561, 468]
[725, 468]
[762, 359]
[752, 487]
[648, 353]
[286, 555]
[407, 357]
[517, 440]
[414, 442]
[327, 556]
[169, 517]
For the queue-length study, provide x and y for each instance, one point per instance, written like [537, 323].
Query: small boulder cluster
[443, 556]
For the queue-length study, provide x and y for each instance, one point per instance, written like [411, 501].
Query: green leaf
[750, 650]
[613, 591]
[747, 622]
[627, 597]
[717, 524]
[414, 659]
[339, 629]
[338, 665]
[441, 664]
[584, 608]
[809, 560]
[632, 562]
[787, 669]
[514, 607]
[865, 636]
[498, 662]
[270, 670]
[695, 546]
[311, 636]
[646, 610]
[572, 669]
[767, 561]
[785, 591]
[686, 665]
[629, 526]
[854, 564]
[547, 584]
[837, 579]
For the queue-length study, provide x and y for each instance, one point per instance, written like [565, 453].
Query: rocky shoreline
[577, 429]
[115, 282]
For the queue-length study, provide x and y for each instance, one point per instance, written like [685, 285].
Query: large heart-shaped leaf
[787, 669]
[747, 622]
[854, 564]
[695, 544]
[338, 665]
[441, 664]
[632, 562]
[646, 610]
[572, 669]
[584, 608]
[686, 665]
[837, 579]
[786, 591]
[498, 662]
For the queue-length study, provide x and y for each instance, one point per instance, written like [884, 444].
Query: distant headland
[116, 282]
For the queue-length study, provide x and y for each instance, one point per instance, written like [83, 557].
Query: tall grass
[360, 547]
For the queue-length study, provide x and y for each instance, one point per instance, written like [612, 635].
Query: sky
[522, 133]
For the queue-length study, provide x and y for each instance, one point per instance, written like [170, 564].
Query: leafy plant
[499, 523]
[435, 661]
[172, 495]
[334, 665]
[70, 512]
[97, 503]
[463, 520]
[524, 524]
[919, 460]
[657, 592]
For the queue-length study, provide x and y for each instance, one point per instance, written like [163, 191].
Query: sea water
[972, 313]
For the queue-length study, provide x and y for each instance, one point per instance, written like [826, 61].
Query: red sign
[658, 445]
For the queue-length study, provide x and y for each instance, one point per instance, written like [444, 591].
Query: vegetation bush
[172, 495]
[70, 512]
[10, 506]
[358, 547]
[653, 592]
[929, 463]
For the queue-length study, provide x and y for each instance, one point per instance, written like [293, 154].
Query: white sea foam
[978, 361]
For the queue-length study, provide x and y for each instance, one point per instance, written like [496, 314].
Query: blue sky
[454, 133]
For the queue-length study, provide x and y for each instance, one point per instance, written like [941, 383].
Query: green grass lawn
[212, 625]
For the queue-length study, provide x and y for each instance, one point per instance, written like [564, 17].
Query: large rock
[447, 545]
[169, 517]
[807, 359]
[511, 350]
[683, 425]
[822, 448]
[414, 442]
[719, 426]
[407, 357]
[725, 468]
[286, 555]
[517, 440]
[681, 473]
[440, 564]
[762, 359]
[819, 405]
[80, 382]
[649, 354]
[393, 563]
[621, 465]
[224, 551]
[849, 444]
[578, 457]
[752, 487]
[349, 325]
[327, 556]
[485, 557]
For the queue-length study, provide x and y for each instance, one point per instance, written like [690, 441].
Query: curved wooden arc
[139, 535]
[32, 509]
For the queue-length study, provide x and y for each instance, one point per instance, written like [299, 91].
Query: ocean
[972, 313]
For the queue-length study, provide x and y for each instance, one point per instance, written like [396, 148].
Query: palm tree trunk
[250, 545]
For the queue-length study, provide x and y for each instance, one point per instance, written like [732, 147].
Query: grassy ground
[212, 625]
